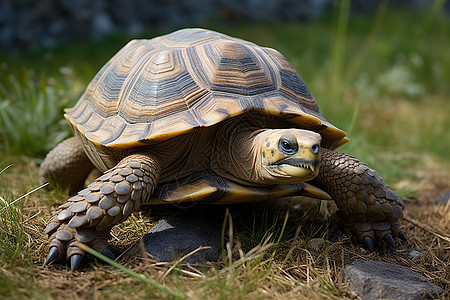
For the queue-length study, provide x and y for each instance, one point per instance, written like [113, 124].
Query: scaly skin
[89, 216]
[366, 205]
[68, 165]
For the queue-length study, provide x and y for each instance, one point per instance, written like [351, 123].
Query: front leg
[89, 216]
[366, 205]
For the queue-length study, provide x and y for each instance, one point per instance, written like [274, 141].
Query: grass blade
[129, 272]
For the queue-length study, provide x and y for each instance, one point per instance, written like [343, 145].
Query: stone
[381, 280]
[177, 235]
[413, 255]
[316, 243]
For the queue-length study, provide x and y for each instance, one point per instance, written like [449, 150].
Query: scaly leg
[366, 204]
[89, 216]
[67, 165]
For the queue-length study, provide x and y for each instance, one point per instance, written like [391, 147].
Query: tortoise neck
[237, 157]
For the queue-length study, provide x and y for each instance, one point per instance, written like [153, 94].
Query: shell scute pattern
[233, 67]
[160, 88]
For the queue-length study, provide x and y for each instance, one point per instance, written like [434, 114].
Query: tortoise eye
[287, 146]
[315, 148]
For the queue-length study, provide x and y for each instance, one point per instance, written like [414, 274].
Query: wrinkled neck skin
[235, 156]
[238, 154]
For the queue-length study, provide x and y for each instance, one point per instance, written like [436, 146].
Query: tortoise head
[288, 155]
[268, 156]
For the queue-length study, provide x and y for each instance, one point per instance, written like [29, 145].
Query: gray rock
[381, 280]
[179, 234]
[316, 243]
[414, 255]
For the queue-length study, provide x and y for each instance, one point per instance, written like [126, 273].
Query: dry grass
[290, 270]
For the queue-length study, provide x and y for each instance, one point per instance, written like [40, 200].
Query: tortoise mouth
[296, 167]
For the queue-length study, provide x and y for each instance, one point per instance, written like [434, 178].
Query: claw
[53, 254]
[75, 261]
[388, 239]
[108, 253]
[369, 243]
[402, 236]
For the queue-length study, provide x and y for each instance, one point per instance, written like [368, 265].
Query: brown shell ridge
[235, 68]
[190, 37]
[75, 112]
[129, 84]
[171, 126]
[120, 136]
[160, 88]
[159, 93]
[109, 77]
[290, 82]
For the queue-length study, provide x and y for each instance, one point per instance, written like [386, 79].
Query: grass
[31, 107]
[382, 78]
[13, 235]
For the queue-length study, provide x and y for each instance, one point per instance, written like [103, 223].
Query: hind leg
[66, 165]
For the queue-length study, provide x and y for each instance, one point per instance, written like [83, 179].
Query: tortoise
[199, 116]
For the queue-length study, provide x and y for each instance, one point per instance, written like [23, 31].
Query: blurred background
[47, 23]
[379, 69]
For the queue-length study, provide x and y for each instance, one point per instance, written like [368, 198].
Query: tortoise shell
[156, 89]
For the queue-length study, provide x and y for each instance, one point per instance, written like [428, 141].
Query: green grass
[12, 234]
[31, 110]
[382, 78]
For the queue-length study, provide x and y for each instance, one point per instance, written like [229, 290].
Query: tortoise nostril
[315, 148]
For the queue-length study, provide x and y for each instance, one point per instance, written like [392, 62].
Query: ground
[289, 267]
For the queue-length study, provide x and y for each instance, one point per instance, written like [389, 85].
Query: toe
[368, 242]
[108, 253]
[389, 240]
[402, 236]
[53, 254]
[75, 261]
